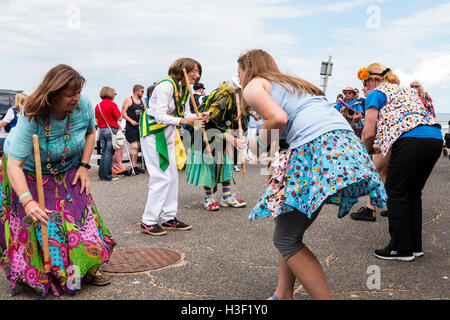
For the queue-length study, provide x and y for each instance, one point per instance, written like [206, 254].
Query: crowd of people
[379, 146]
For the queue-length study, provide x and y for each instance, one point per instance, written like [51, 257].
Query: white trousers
[162, 199]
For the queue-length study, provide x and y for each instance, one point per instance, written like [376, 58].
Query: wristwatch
[84, 164]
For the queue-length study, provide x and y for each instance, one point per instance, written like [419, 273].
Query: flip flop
[273, 297]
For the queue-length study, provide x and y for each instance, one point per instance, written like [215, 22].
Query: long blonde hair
[40, 102]
[20, 101]
[383, 74]
[258, 63]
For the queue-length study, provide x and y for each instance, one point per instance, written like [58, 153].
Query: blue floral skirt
[333, 168]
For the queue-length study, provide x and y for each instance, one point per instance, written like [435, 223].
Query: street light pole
[326, 72]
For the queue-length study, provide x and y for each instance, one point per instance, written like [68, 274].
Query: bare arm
[82, 172]
[370, 129]
[125, 106]
[20, 186]
[257, 95]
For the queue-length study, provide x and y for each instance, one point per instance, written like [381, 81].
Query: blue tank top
[308, 116]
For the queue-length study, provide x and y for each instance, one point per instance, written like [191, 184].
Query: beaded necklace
[48, 129]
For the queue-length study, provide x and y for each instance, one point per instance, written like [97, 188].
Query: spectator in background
[352, 110]
[424, 97]
[107, 115]
[9, 121]
[199, 93]
[255, 124]
[360, 99]
[131, 111]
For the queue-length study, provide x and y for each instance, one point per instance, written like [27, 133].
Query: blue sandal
[273, 297]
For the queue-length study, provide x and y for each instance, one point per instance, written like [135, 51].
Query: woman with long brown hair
[79, 242]
[398, 122]
[325, 163]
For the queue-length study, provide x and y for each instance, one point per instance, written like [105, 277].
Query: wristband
[25, 204]
[24, 195]
[224, 135]
[83, 164]
[260, 144]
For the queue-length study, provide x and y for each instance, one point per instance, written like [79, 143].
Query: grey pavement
[226, 256]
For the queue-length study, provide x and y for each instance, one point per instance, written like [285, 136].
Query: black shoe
[154, 229]
[127, 173]
[138, 170]
[174, 224]
[391, 254]
[364, 214]
[384, 213]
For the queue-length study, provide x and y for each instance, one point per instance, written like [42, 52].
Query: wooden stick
[238, 104]
[194, 104]
[40, 189]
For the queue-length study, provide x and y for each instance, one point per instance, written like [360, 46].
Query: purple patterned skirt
[79, 242]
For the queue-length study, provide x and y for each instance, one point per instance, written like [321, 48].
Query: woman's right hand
[32, 210]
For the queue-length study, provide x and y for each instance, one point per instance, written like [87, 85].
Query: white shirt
[162, 107]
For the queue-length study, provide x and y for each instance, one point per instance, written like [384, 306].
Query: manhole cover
[140, 260]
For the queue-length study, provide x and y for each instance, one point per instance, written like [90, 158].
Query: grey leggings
[289, 230]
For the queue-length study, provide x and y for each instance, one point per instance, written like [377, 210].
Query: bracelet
[84, 164]
[260, 144]
[224, 136]
[24, 195]
[25, 204]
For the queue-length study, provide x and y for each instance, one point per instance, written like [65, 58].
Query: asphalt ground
[227, 257]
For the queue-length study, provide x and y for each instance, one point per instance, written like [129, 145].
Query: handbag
[118, 139]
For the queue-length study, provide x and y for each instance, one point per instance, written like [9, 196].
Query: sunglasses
[415, 87]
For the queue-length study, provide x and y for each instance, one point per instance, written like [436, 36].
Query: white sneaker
[236, 169]
[231, 201]
[211, 204]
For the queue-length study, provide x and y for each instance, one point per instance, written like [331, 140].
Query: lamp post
[325, 72]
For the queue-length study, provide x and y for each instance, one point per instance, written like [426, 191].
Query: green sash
[148, 124]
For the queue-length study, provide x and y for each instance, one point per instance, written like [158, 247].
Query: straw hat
[349, 89]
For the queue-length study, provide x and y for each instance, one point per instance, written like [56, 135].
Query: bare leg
[307, 269]
[286, 281]
[134, 149]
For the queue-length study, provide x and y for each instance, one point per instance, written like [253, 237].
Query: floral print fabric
[333, 168]
[403, 112]
[79, 242]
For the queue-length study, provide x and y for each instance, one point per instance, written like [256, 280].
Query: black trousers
[410, 165]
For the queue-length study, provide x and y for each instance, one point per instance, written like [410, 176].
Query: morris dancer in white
[165, 111]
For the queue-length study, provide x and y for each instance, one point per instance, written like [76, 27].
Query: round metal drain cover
[140, 260]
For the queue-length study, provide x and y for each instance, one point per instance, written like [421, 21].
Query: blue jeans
[105, 169]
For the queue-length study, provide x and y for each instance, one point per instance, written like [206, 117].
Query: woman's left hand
[83, 176]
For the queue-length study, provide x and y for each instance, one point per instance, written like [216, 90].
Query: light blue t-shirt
[377, 99]
[308, 116]
[19, 143]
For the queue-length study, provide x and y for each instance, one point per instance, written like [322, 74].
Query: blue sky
[121, 43]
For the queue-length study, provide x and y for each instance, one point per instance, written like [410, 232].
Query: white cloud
[431, 72]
